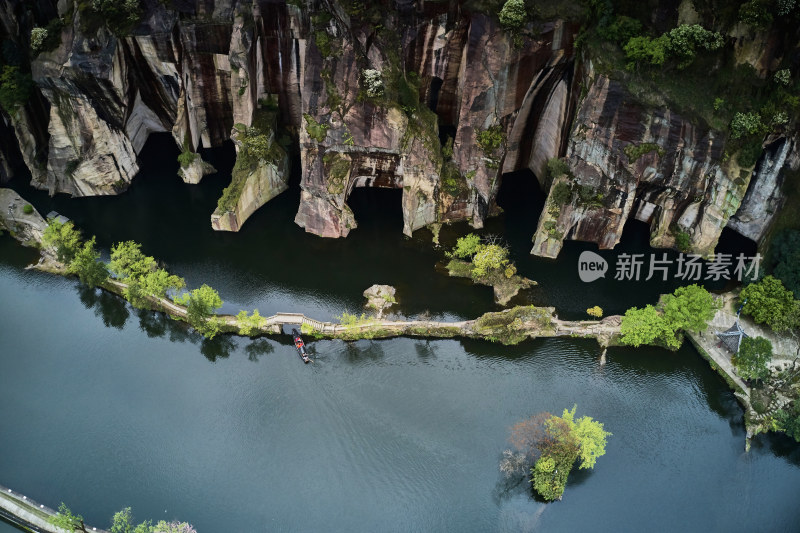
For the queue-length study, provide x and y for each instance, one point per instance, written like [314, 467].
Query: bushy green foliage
[558, 441]
[689, 308]
[491, 138]
[513, 14]
[621, 30]
[595, 311]
[643, 50]
[646, 326]
[122, 522]
[38, 37]
[488, 258]
[556, 168]
[756, 13]
[783, 77]
[635, 151]
[157, 283]
[768, 302]
[681, 43]
[27, 209]
[128, 261]
[186, 158]
[744, 124]
[785, 255]
[467, 246]
[315, 130]
[250, 325]
[683, 240]
[15, 88]
[753, 357]
[373, 82]
[65, 519]
[686, 39]
[64, 238]
[200, 306]
[788, 420]
[121, 16]
[87, 266]
[786, 6]
[560, 194]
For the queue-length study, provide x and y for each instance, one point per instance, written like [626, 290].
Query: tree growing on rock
[767, 301]
[64, 238]
[87, 266]
[513, 14]
[553, 444]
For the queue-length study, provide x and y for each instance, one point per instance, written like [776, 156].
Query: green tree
[66, 520]
[467, 246]
[64, 238]
[689, 308]
[767, 301]
[87, 265]
[753, 358]
[591, 437]
[513, 14]
[200, 306]
[173, 527]
[646, 326]
[788, 420]
[687, 38]
[128, 261]
[646, 50]
[250, 325]
[489, 257]
[156, 283]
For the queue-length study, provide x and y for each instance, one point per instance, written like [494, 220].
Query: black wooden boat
[300, 345]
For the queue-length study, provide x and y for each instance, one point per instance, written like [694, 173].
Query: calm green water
[105, 407]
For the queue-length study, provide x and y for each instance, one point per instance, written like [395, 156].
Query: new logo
[591, 266]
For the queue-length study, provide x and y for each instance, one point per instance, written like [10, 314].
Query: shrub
[595, 311]
[489, 257]
[767, 301]
[128, 261]
[315, 130]
[467, 246]
[556, 168]
[87, 265]
[38, 37]
[186, 158]
[646, 326]
[744, 124]
[513, 14]
[120, 15]
[683, 240]
[621, 30]
[687, 38]
[646, 50]
[783, 77]
[373, 81]
[560, 194]
[491, 138]
[27, 209]
[756, 13]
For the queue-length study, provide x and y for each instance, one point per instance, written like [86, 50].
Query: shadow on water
[111, 309]
[257, 348]
[220, 347]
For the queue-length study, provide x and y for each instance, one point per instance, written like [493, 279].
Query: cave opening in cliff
[377, 207]
[521, 199]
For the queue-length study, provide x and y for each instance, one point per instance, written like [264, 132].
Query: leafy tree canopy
[753, 358]
[128, 261]
[467, 246]
[87, 265]
[64, 238]
[767, 301]
[689, 308]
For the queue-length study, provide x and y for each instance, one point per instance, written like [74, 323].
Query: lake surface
[105, 407]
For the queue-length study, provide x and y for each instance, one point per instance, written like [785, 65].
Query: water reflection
[112, 310]
[220, 347]
[257, 348]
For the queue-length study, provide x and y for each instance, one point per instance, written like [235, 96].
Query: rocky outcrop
[628, 159]
[26, 227]
[196, 170]
[454, 102]
[764, 198]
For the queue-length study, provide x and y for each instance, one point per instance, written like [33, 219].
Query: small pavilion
[732, 337]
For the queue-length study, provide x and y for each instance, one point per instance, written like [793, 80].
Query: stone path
[21, 510]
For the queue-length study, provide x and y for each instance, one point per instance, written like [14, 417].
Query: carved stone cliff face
[200, 69]
[631, 160]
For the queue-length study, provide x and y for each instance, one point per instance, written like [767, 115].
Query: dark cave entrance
[377, 208]
[521, 199]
